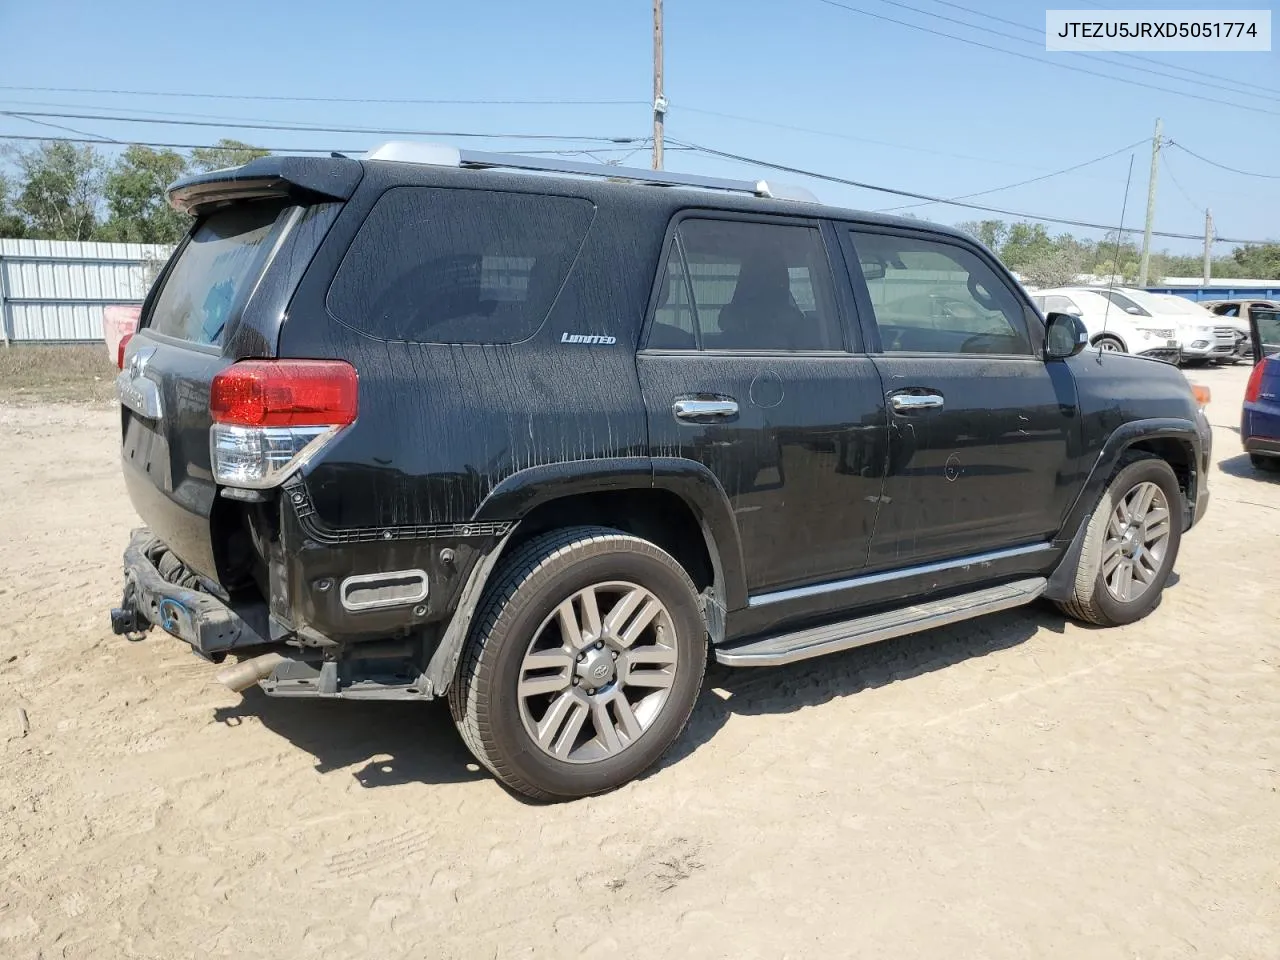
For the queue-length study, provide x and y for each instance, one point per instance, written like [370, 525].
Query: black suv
[541, 437]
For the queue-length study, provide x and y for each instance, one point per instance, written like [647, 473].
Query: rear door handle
[705, 411]
[914, 402]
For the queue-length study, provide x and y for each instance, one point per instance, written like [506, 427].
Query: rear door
[981, 429]
[748, 369]
[188, 333]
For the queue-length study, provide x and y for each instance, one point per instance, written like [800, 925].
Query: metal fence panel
[57, 289]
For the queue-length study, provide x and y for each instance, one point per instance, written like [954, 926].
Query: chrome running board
[816, 641]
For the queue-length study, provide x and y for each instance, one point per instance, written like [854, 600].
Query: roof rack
[443, 155]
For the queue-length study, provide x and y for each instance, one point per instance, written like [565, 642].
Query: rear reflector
[1253, 390]
[285, 393]
[271, 416]
[124, 345]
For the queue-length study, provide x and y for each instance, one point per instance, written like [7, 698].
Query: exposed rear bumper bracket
[201, 619]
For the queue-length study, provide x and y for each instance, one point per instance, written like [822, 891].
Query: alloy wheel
[597, 672]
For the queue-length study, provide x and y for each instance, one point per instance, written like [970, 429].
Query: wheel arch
[674, 502]
[1109, 335]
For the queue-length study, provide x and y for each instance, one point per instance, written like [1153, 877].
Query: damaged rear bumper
[209, 624]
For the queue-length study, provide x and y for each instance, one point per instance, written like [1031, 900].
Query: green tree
[990, 233]
[1261, 261]
[226, 153]
[60, 191]
[134, 190]
[11, 223]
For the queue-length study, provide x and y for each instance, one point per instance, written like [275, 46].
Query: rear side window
[936, 297]
[747, 286]
[435, 265]
[216, 268]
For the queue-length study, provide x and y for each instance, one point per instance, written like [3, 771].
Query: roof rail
[443, 155]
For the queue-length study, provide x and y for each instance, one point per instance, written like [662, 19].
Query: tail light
[1253, 390]
[124, 345]
[271, 416]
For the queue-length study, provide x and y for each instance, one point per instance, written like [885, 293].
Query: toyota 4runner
[541, 437]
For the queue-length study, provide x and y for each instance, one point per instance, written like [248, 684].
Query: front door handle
[914, 402]
[705, 411]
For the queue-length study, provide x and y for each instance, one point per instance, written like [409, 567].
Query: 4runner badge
[587, 338]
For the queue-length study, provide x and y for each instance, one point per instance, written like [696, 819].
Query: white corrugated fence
[53, 290]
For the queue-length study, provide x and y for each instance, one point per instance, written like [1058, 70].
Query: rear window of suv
[438, 265]
[217, 266]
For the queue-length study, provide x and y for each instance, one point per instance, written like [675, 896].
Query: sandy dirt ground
[1014, 787]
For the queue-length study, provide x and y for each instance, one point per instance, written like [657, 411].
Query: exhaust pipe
[241, 676]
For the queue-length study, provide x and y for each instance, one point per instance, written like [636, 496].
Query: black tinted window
[436, 265]
[754, 286]
[934, 297]
[217, 266]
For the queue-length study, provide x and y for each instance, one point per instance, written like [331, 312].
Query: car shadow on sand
[394, 743]
[1240, 466]
[811, 683]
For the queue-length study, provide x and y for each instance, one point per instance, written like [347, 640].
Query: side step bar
[816, 641]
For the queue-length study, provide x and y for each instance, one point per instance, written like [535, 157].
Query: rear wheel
[583, 665]
[1267, 464]
[1130, 545]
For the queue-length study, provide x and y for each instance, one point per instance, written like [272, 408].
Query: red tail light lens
[124, 344]
[285, 393]
[1254, 388]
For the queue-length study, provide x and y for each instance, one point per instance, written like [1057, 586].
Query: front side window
[748, 286]
[1125, 303]
[935, 297]
[435, 265]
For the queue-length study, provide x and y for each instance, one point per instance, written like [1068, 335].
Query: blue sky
[888, 104]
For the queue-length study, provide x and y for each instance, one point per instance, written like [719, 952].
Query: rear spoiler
[304, 179]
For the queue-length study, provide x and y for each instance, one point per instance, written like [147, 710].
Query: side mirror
[1133, 310]
[1066, 336]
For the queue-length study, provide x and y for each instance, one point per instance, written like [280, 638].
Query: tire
[1265, 464]
[517, 647]
[1095, 601]
[1109, 344]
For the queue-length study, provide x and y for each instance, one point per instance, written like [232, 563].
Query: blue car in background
[1260, 420]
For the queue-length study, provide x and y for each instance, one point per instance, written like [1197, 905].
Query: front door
[746, 369]
[982, 431]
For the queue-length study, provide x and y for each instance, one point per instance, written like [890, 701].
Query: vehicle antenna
[1111, 283]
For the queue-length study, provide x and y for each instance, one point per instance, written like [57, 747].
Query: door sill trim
[887, 576]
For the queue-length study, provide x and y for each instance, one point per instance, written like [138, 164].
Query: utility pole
[659, 101]
[1208, 246]
[1151, 205]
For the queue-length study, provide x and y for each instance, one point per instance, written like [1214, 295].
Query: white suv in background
[1213, 338]
[1110, 326]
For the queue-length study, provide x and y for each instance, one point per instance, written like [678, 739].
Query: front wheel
[583, 663]
[1266, 464]
[1130, 546]
[1108, 344]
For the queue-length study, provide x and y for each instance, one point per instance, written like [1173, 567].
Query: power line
[1267, 93]
[312, 128]
[830, 178]
[64, 129]
[280, 98]
[323, 150]
[840, 136]
[1168, 168]
[1039, 60]
[1223, 166]
[1023, 183]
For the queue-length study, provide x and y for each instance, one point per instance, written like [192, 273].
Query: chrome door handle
[721, 409]
[911, 402]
